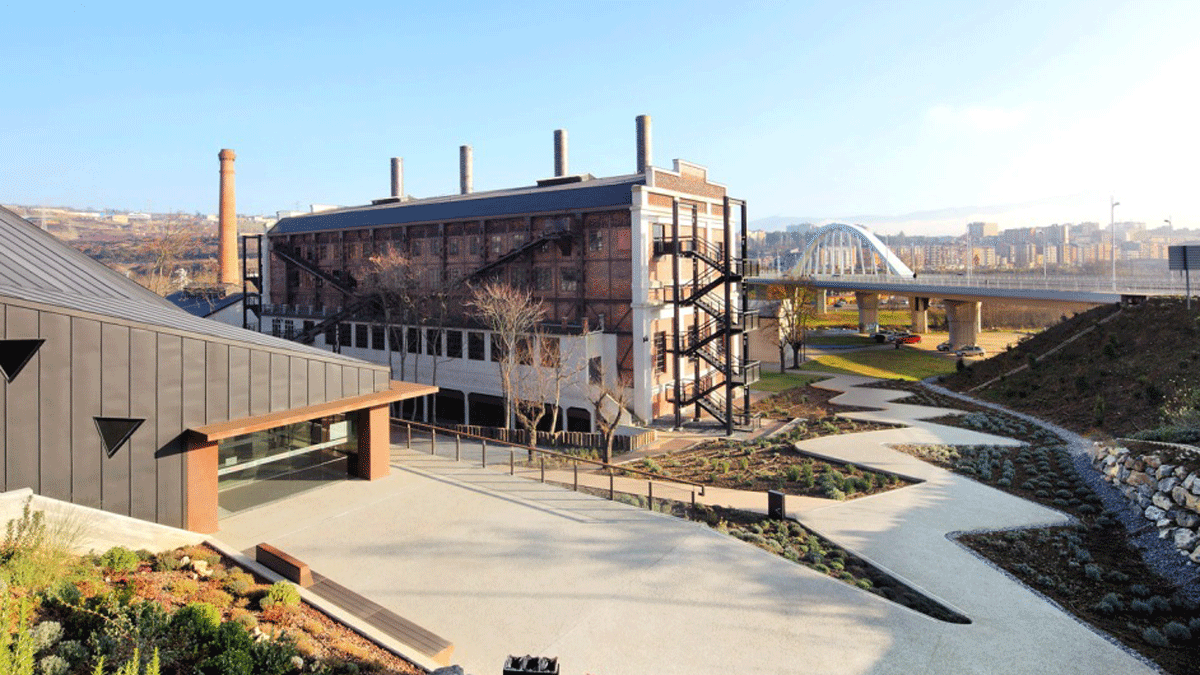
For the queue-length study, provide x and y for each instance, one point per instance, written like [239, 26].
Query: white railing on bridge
[1130, 285]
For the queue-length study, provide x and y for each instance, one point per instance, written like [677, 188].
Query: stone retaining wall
[1167, 495]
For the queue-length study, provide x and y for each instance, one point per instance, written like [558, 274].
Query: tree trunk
[782, 358]
[795, 356]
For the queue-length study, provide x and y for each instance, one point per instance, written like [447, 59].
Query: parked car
[971, 350]
[883, 336]
[945, 346]
[839, 304]
[907, 338]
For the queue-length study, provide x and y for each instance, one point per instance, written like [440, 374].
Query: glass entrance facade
[263, 466]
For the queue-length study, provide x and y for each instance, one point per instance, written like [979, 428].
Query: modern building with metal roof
[114, 398]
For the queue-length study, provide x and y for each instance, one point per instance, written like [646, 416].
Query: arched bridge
[849, 249]
[850, 258]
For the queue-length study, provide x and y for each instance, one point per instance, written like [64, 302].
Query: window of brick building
[524, 351]
[596, 240]
[344, 334]
[596, 370]
[413, 340]
[454, 344]
[542, 280]
[396, 338]
[330, 334]
[475, 346]
[377, 338]
[497, 348]
[433, 341]
[360, 336]
[570, 280]
[550, 353]
[660, 352]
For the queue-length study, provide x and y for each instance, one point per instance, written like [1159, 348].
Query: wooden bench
[394, 626]
[283, 564]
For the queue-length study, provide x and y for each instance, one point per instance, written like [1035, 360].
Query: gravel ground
[1160, 555]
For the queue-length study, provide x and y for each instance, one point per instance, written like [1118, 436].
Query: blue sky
[1031, 111]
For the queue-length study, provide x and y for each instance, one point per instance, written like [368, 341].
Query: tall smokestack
[466, 171]
[227, 255]
[560, 152]
[643, 143]
[397, 176]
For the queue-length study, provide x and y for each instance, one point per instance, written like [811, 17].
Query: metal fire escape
[708, 343]
[343, 283]
[252, 281]
[355, 303]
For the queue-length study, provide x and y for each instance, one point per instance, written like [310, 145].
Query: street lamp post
[1045, 251]
[1112, 227]
[1169, 228]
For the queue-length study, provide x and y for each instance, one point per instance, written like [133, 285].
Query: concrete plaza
[504, 565]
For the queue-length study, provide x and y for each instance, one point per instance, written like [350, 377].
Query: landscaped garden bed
[775, 464]
[792, 541]
[801, 402]
[1089, 568]
[184, 611]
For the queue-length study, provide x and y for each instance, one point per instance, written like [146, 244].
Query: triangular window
[14, 354]
[114, 431]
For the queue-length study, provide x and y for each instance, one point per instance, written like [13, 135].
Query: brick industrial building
[640, 275]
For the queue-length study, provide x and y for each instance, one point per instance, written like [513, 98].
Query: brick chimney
[466, 170]
[643, 143]
[227, 253]
[560, 152]
[398, 177]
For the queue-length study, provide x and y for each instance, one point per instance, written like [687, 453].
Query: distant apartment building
[978, 231]
[640, 276]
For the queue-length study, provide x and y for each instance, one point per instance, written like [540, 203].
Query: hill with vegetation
[1130, 371]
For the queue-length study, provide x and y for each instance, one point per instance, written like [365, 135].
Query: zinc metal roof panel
[171, 317]
[32, 258]
[589, 194]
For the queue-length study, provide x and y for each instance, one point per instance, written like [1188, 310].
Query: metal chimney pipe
[560, 152]
[466, 171]
[227, 253]
[397, 176]
[643, 143]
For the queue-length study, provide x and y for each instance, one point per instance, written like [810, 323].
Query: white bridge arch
[848, 249]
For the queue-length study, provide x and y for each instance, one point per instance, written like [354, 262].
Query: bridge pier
[964, 319]
[821, 300]
[868, 311]
[920, 314]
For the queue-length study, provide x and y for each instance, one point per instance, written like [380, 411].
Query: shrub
[1154, 637]
[238, 583]
[119, 560]
[284, 593]
[793, 473]
[45, 635]
[57, 665]
[1177, 632]
[168, 561]
[215, 597]
[243, 618]
[184, 587]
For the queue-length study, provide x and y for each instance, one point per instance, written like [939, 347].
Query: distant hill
[1115, 376]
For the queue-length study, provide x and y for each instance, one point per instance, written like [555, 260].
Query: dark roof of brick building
[588, 194]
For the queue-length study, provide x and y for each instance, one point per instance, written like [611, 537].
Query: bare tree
[609, 399]
[512, 314]
[391, 280]
[169, 244]
[561, 372]
[797, 310]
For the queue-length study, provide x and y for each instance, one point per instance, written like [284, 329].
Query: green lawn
[818, 340]
[849, 317]
[904, 364]
[783, 381]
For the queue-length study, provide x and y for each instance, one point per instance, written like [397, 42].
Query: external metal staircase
[718, 365]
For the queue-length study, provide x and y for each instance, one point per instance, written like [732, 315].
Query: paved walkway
[504, 565]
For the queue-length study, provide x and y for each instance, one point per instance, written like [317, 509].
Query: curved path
[503, 565]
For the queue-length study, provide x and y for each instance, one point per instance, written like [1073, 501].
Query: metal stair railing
[515, 253]
[306, 337]
[290, 255]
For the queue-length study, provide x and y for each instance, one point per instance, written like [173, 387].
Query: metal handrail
[550, 453]
[1014, 282]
